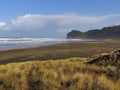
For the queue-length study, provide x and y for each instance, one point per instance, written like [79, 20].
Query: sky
[55, 18]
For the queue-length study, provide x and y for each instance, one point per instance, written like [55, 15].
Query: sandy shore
[57, 51]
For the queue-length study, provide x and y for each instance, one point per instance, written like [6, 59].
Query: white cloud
[37, 21]
[34, 20]
[2, 24]
[59, 23]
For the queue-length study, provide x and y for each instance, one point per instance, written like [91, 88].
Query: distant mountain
[104, 33]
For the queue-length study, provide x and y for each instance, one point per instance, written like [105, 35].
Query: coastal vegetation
[64, 74]
[112, 32]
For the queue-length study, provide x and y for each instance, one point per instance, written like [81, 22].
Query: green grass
[57, 51]
[64, 74]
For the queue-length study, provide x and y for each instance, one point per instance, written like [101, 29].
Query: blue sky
[54, 18]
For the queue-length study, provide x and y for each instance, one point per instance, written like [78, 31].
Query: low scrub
[68, 74]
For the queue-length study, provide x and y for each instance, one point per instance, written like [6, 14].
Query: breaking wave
[8, 43]
[35, 40]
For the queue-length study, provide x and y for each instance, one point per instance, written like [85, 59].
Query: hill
[104, 33]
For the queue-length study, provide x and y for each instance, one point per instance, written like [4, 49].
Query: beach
[58, 51]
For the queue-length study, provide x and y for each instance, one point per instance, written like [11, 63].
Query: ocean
[11, 43]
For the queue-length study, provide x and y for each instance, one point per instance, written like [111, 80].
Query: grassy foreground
[65, 74]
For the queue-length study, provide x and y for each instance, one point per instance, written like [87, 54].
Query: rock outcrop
[112, 58]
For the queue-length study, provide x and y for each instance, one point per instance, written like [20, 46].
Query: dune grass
[64, 74]
[57, 51]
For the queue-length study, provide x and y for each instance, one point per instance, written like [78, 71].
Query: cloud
[64, 20]
[2, 24]
[57, 25]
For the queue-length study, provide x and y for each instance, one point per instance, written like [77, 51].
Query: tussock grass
[68, 74]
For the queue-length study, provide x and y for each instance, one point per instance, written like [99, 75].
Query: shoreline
[37, 46]
[14, 43]
[57, 51]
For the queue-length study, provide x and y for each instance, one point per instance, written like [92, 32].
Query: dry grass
[58, 73]
[58, 51]
[64, 74]
[112, 40]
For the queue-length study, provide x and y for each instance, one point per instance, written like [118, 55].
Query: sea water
[10, 43]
